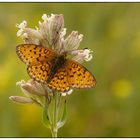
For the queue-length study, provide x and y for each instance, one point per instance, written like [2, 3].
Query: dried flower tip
[88, 54]
[45, 17]
[20, 83]
[21, 27]
[81, 55]
[23, 100]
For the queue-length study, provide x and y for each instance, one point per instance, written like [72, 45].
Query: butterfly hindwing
[59, 81]
[72, 75]
[39, 72]
[78, 76]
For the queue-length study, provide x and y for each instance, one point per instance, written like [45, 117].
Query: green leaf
[64, 116]
[46, 120]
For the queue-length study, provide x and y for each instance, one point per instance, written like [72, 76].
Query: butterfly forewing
[72, 75]
[34, 54]
[78, 76]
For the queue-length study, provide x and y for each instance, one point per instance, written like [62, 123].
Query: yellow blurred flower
[122, 88]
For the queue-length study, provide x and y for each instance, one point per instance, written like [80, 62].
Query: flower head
[51, 33]
[35, 93]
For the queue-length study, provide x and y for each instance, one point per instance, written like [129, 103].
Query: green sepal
[46, 119]
[62, 120]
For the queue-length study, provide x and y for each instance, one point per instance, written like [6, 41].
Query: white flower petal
[45, 17]
[20, 83]
[67, 93]
[63, 94]
[19, 32]
[70, 91]
[88, 55]
[22, 25]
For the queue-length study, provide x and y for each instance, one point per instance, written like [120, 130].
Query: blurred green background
[112, 109]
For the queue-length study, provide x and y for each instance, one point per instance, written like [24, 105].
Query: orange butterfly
[46, 66]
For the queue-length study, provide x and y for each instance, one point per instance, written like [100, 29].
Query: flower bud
[32, 88]
[51, 27]
[72, 42]
[20, 99]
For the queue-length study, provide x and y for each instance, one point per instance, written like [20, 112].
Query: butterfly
[45, 65]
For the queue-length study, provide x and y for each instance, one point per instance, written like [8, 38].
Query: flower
[35, 93]
[21, 27]
[81, 55]
[51, 34]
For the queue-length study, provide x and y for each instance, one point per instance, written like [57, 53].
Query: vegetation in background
[112, 30]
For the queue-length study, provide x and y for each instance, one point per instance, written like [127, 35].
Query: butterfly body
[58, 63]
[59, 73]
